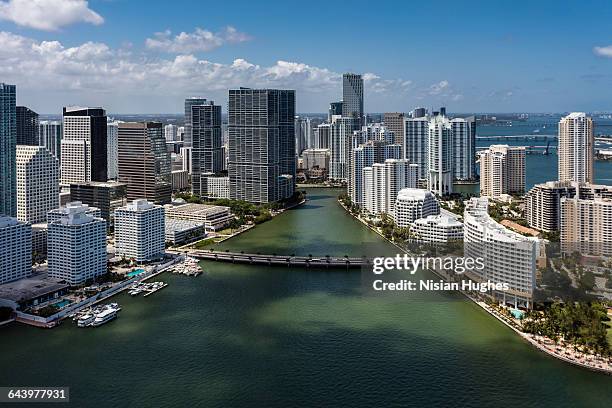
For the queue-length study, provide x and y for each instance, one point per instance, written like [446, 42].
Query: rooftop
[30, 288]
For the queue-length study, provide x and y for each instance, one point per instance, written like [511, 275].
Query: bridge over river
[281, 260]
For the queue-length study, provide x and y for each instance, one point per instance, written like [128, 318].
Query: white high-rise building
[112, 149]
[576, 148]
[171, 132]
[508, 256]
[383, 181]
[76, 246]
[342, 129]
[412, 204]
[15, 249]
[51, 137]
[215, 186]
[186, 158]
[180, 133]
[37, 183]
[440, 156]
[364, 156]
[140, 231]
[62, 212]
[84, 146]
[502, 170]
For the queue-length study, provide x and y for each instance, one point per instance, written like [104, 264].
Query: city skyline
[80, 57]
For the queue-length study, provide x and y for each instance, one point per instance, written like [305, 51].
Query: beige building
[586, 226]
[576, 148]
[502, 170]
[394, 121]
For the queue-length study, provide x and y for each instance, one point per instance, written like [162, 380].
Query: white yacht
[86, 320]
[104, 317]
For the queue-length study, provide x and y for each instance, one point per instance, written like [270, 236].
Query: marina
[190, 267]
[148, 288]
[96, 316]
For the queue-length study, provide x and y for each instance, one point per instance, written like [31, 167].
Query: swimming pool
[62, 303]
[135, 273]
[518, 314]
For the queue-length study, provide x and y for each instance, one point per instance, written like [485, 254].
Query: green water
[281, 337]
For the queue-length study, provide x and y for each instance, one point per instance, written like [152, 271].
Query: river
[244, 335]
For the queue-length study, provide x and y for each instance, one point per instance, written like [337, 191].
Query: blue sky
[485, 56]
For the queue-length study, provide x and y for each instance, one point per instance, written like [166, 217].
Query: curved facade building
[412, 204]
[509, 257]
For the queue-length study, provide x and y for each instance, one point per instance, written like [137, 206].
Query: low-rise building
[437, 228]
[182, 231]
[214, 217]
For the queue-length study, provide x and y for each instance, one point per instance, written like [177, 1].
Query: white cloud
[93, 72]
[199, 40]
[94, 65]
[48, 15]
[603, 51]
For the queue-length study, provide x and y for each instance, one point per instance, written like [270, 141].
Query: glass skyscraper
[8, 138]
[262, 162]
[352, 96]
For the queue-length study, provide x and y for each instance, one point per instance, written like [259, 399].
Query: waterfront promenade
[546, 345]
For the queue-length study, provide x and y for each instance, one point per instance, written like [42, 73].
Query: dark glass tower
[27, 126]
[189, 102]
[352, 96]
[8, 137]
[207, 151]
[262, 162]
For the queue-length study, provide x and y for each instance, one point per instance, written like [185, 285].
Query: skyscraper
[464, 148]
[502, 170]
[84, 145]
[340, 145]
[262, 162]
[139, 231]
[373, 151]
[352, 96]
[416, 140]
[144, 163]
[27, 126]
[321, 136]
[335, 109]
[107, 197]
[8, 137]
[394, 121]
[112, 131]
[206, 153]
[50, 136]
[37, 183]
[170, 132]
[440, 156]
[576, 148]
[383, 181]
[76, 246]
[15, 248]
[189, 102]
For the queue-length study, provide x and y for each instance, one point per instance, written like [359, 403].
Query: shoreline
[531, 339]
